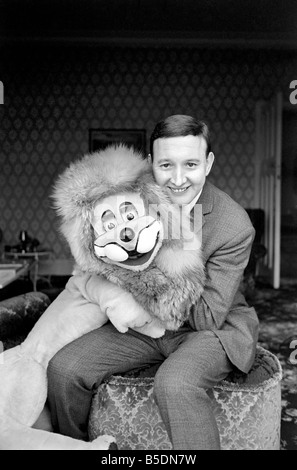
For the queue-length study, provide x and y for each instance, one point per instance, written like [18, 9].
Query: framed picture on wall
[99, 139]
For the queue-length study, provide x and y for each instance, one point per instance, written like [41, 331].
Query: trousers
[191, 362]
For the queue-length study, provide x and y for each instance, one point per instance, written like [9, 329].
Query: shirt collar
[191, 204]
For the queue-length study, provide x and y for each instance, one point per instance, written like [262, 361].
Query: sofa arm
[19, 314]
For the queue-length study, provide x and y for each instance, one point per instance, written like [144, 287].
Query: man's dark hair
[180, 125]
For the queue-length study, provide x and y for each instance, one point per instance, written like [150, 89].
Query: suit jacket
[227, 236]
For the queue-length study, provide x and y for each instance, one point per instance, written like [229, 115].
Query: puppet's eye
[128, 211]
[110, 226]
[130, 216]
[108, 220]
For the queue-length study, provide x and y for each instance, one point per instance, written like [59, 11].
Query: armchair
[18, 315]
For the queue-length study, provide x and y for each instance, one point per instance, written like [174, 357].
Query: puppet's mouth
[134, 257]
[137, 253]
[137, 259]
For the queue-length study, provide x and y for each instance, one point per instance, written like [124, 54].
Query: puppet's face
[125, 234]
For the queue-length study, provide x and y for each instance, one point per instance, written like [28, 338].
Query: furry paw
[152, 328]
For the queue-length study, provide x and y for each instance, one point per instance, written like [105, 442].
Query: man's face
[180, 165]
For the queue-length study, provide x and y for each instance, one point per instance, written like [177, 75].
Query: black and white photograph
[148, 227]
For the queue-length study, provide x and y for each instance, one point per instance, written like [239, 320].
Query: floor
[277, 312]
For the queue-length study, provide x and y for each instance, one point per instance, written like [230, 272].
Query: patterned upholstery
[247, 409]
[19, 314]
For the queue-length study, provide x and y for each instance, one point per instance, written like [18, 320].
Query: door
[289, 195]
[268, 181]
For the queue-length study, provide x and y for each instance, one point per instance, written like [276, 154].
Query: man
[222, 330]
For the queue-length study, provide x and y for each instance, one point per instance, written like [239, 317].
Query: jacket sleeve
[224, 271]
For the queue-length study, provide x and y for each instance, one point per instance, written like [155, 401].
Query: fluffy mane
[176, 274]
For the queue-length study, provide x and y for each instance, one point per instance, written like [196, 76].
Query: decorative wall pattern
[54, 95]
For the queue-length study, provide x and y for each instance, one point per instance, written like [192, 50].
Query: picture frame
[99, 139]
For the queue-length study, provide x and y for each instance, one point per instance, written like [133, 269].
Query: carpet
[277, 312]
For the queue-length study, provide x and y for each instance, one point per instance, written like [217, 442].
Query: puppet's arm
[79, 309]
[86, 303]
[71, 315]
[121, 308]
[23, 392]
[23, 368]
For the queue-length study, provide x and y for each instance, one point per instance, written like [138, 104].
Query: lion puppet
[129, 244]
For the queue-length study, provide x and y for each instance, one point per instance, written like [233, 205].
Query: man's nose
[178, 177]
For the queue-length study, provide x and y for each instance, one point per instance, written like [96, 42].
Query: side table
[11, 271]
[35, 256]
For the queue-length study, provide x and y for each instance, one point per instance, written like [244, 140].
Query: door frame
[267, 195]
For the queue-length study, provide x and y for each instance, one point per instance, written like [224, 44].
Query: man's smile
[178, 190]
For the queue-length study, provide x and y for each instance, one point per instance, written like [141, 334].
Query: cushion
[247, 409]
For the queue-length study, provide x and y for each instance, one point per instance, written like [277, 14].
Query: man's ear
[209, 162]
[149, 159]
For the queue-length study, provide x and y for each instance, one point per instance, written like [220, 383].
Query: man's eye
[191, 165]
[165, 165]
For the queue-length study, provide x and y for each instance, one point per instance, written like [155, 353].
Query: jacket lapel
[206, 200]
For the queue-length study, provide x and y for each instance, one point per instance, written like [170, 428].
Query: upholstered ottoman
[247, 409]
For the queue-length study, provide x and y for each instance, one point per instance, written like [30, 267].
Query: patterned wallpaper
[54, 95]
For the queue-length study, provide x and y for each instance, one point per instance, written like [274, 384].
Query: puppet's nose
[127, 234]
